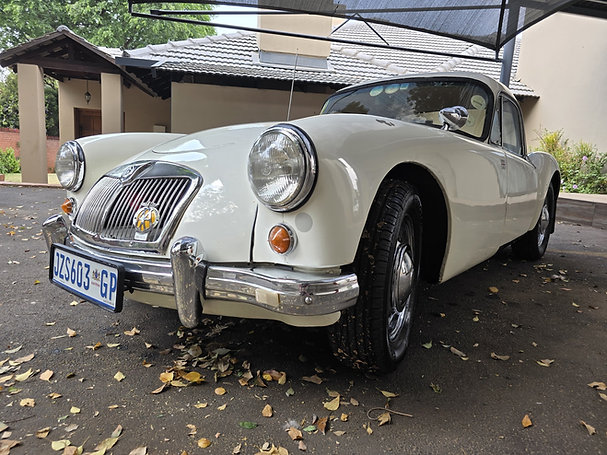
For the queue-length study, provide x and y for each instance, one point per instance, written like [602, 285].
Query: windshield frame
[489, 110]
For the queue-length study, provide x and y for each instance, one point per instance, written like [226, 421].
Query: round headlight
[69, 166]
[282, 168]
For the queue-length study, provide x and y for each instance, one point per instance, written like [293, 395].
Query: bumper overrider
[192, 280]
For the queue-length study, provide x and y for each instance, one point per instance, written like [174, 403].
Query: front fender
[547, 168]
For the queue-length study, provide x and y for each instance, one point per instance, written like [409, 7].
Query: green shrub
[8, 163]
[582, 166]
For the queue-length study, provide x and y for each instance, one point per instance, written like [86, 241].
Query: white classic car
[329, 220]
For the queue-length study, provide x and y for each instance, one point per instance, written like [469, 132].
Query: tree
[102, 22]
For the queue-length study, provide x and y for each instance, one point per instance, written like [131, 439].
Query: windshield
[418, 102]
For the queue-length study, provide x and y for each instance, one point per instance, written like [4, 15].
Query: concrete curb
[586, 209]
[31, 185]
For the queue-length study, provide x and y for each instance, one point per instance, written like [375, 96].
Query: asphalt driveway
[504, 341]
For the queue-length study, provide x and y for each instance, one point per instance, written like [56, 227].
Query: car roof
[495, 86]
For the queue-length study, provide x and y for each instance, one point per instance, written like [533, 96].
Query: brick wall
[10, 138]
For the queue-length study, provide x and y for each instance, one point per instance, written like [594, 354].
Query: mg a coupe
[331, 220]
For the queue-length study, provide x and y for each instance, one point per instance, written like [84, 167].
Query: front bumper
[192, 280]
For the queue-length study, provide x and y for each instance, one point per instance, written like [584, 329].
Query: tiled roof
[233, 55]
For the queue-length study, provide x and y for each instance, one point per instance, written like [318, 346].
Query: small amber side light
[281, 239]
[68, 206]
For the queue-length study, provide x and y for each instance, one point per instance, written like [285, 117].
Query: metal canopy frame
[488, 23]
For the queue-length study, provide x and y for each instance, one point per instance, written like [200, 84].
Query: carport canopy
[489, 23]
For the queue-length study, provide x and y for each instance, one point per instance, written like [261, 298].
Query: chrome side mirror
[453, 118]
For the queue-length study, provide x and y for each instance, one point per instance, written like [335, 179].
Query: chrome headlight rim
[78, 163]
[310, 168]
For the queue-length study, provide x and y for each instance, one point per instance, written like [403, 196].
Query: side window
[511, 128]
[496, 128]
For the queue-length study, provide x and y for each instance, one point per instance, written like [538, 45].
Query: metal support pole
[514, 11]
[507, 62]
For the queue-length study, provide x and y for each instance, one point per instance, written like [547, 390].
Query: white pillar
[111, 103]
[32, 126]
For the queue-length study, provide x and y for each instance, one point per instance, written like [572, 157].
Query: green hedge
[8, 163]
[582, 166]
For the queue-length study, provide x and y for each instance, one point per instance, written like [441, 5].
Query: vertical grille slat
[106, 214]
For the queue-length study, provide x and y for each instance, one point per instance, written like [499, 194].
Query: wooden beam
[66, 65]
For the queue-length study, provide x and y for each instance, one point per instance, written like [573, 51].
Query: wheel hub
[544, 223]
[403, 276]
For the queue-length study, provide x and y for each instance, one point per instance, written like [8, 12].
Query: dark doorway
[87, 122]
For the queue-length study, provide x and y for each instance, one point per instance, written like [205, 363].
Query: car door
[521, 176]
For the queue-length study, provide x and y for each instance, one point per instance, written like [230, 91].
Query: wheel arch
[555, 182]
[434, 214]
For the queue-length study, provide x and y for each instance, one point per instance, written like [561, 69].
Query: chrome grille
[107, 213]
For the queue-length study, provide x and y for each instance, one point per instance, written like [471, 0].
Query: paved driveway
[546, 326]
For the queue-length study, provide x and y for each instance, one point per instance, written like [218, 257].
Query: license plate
[98, 281]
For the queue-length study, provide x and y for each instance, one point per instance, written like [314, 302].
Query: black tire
[532, 245]
[374, 333]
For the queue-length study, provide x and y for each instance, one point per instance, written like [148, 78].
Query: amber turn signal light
[281, 239]
[68, 206]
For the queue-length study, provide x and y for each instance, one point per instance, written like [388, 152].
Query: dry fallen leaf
[388, 394]
[314, 379]
[60, 444]
[332, 405]
[526, 421]
[119, 376]
[603, 396]
[24, 376]
[384, 418]
[493, 290]
[499, 357]
[71, 333]
[46, 376]
[193, 377]
[598, 385]
[203, 443]
[294, 434]
[344, 417]
[267, 411]
[220, 391]
[322, 424]
[192, 429]
[367, 427]
[591, 430]
[27, 403]
[139, 451]
[166, 377]
[544, 362]
[43, 433]
[458, 353]
[134, 331]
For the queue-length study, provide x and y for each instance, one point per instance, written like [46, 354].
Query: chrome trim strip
[283, 291]
[193, 280]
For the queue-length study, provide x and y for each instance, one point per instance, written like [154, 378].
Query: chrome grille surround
[106, 216]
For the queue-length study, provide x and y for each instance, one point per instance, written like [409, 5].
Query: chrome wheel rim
[403, 283]
[543, 224]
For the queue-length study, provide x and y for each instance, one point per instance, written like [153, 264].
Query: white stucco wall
[141, 111]
[197, 106]
[71, 95]
[564, 59]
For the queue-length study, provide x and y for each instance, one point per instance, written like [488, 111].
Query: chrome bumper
[192, 280]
